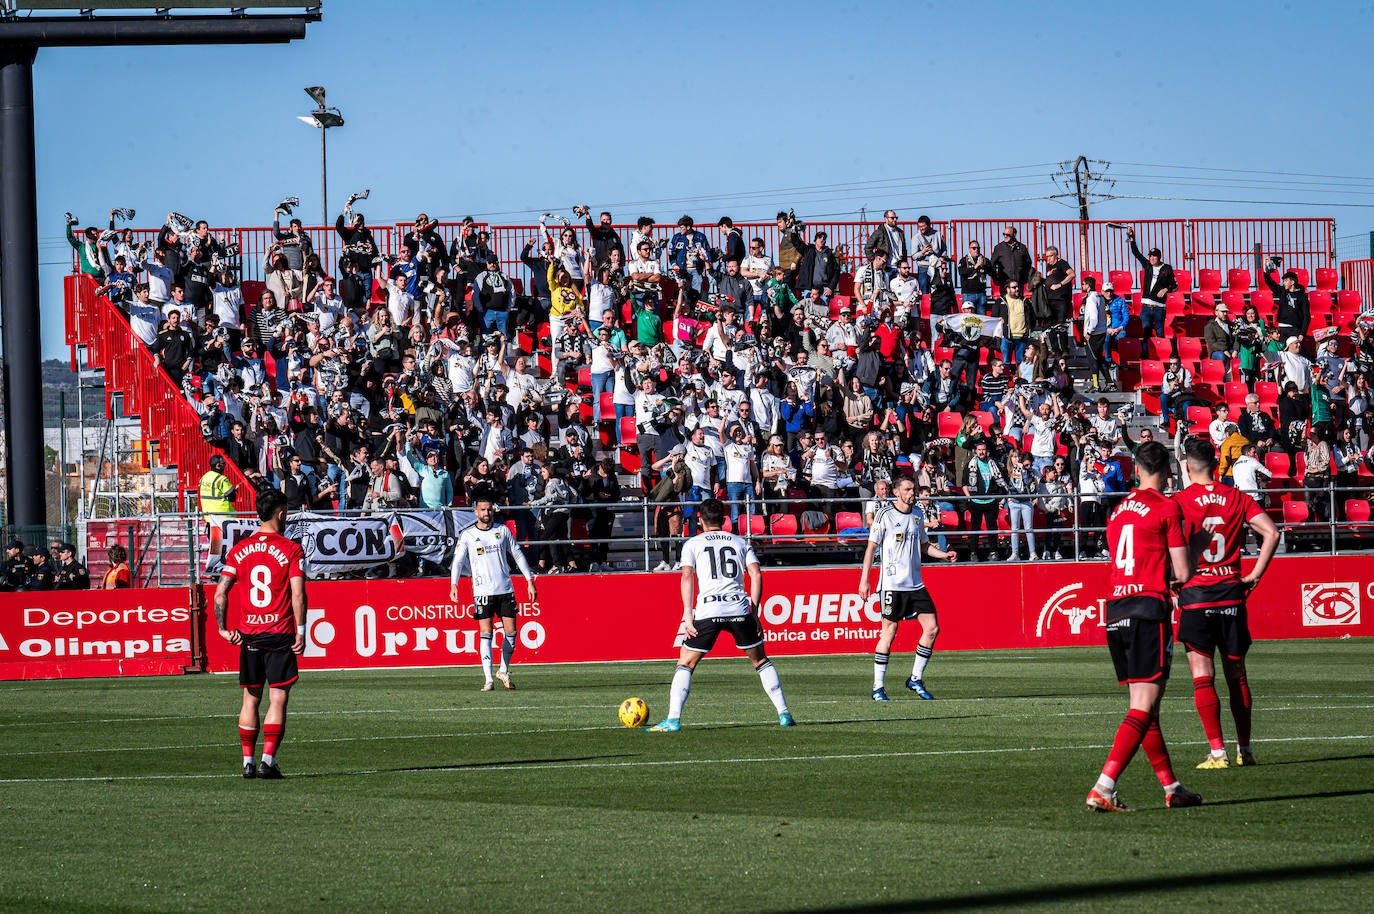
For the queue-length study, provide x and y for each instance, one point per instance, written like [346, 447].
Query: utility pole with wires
[1078, 179]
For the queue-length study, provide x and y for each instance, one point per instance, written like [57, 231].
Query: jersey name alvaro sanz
[262, 567]
[902, 538]
[487, 552]
[1140, 533]
[719, 560]
[1214, 520]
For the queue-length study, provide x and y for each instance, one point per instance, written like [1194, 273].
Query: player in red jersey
[1212, 607]
[1145, 542]
[271, 627]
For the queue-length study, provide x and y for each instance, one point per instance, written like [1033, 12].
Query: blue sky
[713, 108]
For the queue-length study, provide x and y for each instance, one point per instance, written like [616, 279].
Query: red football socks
[248, 738]
[1128, 738]
[1209, 710]
[1240, 708]
[271, 737]
[1158, 754]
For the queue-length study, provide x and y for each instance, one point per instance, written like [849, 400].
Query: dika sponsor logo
[1066, 603]
[1331, 604]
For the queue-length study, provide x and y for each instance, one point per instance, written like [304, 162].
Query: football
[634, 712]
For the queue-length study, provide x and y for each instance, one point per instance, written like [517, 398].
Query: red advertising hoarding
[73, 633]
[580, 618]
[380, 624]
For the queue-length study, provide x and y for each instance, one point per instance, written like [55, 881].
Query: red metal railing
[163, 412]
[1195, 244]
[1359, 275]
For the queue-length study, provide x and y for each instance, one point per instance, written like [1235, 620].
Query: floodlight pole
[20, 40]
[19, 290]
[324, 177]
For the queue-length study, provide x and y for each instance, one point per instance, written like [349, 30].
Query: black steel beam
[19, 290]
[136, 30]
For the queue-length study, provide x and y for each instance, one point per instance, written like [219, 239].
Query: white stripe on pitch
[480, 733]
[536, 766]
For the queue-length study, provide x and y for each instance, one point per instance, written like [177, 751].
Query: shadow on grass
[1324, 795]
[1153, 885]
[465, 766]
[1318, 761]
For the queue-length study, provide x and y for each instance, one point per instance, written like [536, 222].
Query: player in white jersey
[901, 531]
[485, 546]
[714, 600]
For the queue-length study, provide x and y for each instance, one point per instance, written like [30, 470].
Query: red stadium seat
[1151, 373]
[1276, 462]
[1175, 303]
[1190, 349]
[1302, 276]
[1295, 512]
[948, 423]
[1328, 279]
[1200, 415]
[1268, 392]
[783, 525]
[607, 406]
[757, 525]
[1234, 300]
[1121, 281]
[1130, 350]
[1263, 300]
[1357, 510]
[849, 520]
[1209, 280]
[1320, 300]
[1184, 278]
[1159, 348]
[584, 378]
[629, 433]
[1236, 392]
[1238, 280]
[1213, 373]
[1348, 298]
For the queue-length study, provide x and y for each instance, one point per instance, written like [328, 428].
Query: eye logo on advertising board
[1331, 604]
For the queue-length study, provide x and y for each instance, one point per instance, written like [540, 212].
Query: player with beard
[1145, 542]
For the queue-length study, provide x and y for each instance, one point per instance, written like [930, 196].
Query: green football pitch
[412, 791]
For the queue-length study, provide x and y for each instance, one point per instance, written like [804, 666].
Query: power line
[1289, 174]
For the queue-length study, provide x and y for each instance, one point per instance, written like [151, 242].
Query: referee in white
[713, 601]
[901, 532]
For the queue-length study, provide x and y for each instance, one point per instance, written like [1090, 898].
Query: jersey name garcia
[719, 560]
[262, 567]
[902, 538]
[1140, 533]
[1214, 521]
[487, 553]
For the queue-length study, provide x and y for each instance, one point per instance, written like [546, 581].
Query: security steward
[216, 499]
[14, 571]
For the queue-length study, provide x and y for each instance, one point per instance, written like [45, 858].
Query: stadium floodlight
[322, 117]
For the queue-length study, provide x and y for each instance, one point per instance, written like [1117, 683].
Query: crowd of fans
[403, 381]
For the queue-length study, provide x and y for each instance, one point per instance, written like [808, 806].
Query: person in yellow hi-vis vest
[216, 500]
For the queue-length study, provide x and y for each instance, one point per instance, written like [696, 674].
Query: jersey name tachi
[902, 538]
[1214, 521]
[719, 560]
[262, 567]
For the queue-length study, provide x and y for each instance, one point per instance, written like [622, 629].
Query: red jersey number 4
[1139, 535]
[262, 567]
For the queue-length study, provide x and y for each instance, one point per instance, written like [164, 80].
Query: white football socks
[681, 688]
